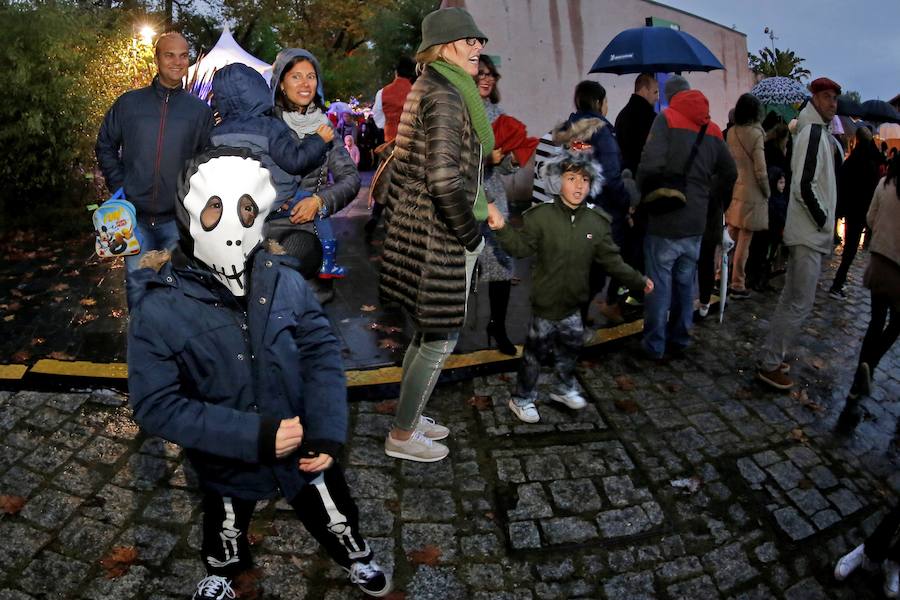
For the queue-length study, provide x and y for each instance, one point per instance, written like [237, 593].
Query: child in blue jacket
[231, 357]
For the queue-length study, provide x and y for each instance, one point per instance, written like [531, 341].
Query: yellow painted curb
[80, 368]
[12, 371]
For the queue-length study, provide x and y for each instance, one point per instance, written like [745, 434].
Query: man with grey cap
[809, 228]
[672, 245]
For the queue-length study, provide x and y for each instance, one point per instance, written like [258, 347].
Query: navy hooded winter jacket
[217, 378]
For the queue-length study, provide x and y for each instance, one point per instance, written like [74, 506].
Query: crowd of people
[231, 355]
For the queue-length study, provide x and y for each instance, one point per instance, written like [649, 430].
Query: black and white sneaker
[837, 293]
[371, 578]
[214, 588]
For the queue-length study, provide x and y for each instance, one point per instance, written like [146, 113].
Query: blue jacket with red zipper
[146, 137]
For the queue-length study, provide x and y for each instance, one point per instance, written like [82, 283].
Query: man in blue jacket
[145, 139]
[231, 357]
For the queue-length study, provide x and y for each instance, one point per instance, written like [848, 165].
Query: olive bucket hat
[448, 25]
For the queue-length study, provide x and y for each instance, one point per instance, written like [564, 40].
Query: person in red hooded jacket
[672, 245]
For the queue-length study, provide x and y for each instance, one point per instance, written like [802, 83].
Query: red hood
[690, 110]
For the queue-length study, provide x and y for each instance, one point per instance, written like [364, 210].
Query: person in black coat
[857, 180]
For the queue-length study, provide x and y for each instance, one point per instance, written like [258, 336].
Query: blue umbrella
[655, 50]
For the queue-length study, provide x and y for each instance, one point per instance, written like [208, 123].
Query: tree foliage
[780, 63]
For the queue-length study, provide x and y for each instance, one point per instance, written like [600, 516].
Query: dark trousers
[706, 268]
[879, 339]
[324, 506]
[882, 543]
[852, 234]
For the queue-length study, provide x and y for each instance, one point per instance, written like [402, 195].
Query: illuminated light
[147, 34]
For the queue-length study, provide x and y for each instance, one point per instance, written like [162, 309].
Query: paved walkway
[687, 480]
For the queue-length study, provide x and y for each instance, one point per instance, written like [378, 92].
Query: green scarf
[465, 85]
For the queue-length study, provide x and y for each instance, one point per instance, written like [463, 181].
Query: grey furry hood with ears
[581, 130]
[552, 169]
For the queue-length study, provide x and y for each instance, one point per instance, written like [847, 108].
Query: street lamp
[771, 33]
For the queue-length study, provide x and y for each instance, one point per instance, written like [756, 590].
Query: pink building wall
[548, 46]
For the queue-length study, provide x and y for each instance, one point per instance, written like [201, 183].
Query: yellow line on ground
[12, 371]
[80, 368]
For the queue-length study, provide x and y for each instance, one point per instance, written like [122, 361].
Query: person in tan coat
[749, 209]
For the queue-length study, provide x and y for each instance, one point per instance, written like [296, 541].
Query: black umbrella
[880, 112]
[848, 107]
[654, 50]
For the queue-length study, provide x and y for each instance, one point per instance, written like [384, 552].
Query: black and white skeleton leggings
[324, 506]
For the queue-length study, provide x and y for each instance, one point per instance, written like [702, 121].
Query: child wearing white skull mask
[231, 357]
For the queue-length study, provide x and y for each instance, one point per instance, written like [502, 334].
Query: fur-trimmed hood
[580, 130]
[552, 169]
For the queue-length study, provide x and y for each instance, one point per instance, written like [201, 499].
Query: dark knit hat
[675, 84]
[448, 25]
[823, 83]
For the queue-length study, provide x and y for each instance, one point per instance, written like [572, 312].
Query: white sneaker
[849, 562]
[431, 429]
[891, 579]
[703, 310]
[572, 399]
[371, 578]
[528, 413]
[418, 448]
[214, 588]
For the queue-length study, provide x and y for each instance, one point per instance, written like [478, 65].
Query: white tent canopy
[225, 52]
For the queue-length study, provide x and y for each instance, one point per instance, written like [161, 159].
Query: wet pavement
[682, 480]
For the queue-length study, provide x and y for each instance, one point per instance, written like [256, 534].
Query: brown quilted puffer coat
[435, 178]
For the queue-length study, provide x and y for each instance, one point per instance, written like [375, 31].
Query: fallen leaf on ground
[9, 318]
[118, 561]
[58, 299]
[87, 302]
[11, 505]
[743, 394]
[246, 585]
[625, 383]
[429, 555]
[626, 405]
[48, 267]
[37, 341]
[480, 402]
[60, 356]
[387, 407]
[367, 308]
[802, 397]
[59, 287]
[389, 344]
[117, 313]
[87, 318]
[817, 363]
[688, 484]
[798, 436]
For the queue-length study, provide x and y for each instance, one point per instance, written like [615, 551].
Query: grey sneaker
[430, 429]
[527, 413]
[572, 399]
[418, 448]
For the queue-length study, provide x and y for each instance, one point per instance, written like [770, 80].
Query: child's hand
[288, 437]
[497, 156]
[317, 463]
[326, 133]
[648, 287]
[495, 218]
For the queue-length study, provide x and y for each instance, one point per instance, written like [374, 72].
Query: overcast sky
[855, 43]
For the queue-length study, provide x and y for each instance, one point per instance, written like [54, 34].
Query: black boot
[498, 295]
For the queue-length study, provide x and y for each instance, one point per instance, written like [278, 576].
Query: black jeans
[852, 234]
[882, 543]
[879, 339]
[324, 506]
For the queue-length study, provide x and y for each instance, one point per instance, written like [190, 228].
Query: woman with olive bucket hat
[435, 206]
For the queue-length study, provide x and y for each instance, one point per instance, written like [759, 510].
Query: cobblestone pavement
[686, 480]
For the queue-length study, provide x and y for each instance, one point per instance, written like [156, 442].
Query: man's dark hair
[589, 96]
[747, 110]
[485, 61]
[644, 80]
[406, 68]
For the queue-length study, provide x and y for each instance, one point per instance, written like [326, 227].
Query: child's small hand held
[648, 287]
[495, 218]
[319, 462]
[326, 133]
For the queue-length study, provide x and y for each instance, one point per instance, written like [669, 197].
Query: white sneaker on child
[371, 578]
[214, 588]
[849, 562]
[891, 579]
[572, 399]
[527, 413]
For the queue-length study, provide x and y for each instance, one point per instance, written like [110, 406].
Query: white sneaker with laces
[214, 588]
[430, 429]
[891, 579]
[527, 413]
[371, 578]
[572, 399]
[417, 448]
[849, 562]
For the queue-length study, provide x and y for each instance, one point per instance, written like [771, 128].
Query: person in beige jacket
[882, 277]
[749, 209]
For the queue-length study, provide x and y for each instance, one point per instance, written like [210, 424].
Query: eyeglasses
[471, 41]
[487, 75]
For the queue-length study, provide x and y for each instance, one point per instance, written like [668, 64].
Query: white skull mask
[228, 202]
